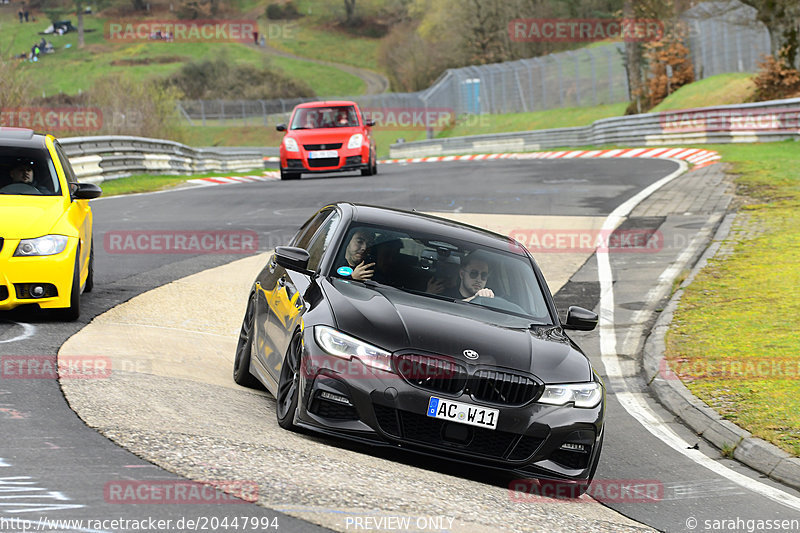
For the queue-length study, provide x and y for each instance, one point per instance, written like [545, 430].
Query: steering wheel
[498, 303]
[20, 188]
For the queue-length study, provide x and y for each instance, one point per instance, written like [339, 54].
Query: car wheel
[71, 313]
[244, 348]
[369, 171]
[90, 278]
[289, 385]
[375, 165]
[289, 175]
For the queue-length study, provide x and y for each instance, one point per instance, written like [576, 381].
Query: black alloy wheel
[244, 348]
[289, 384]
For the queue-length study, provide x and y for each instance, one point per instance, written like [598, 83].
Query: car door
[79, 213]
[277, 305]
[289, 301]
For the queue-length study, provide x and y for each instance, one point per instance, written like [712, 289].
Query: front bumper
[347, 160]
[385, 409]
[53, 270]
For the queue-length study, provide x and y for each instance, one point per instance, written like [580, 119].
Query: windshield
[439, 267]
[27, 171]
[325, 117]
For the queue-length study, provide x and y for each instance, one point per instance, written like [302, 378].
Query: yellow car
[46, 252]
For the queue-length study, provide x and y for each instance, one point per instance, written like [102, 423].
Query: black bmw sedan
[402, 329]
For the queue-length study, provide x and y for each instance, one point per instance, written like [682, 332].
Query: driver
[21, 180]
[472, 278]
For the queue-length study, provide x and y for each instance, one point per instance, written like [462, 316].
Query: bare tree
[349, 10]
[782, 19]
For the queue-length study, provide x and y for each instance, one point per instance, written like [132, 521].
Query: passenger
[354, 265]
[342, 118]
[311, 120]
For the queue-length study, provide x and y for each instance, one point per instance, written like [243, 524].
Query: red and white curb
[266, 176]
[698, 157]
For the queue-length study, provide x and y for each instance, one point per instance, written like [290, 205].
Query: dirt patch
[159, 60]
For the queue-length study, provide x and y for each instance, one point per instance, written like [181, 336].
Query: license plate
[465, 413]
[322, 154]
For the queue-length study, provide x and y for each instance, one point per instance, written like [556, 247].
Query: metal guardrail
[100, 158]
[775, 120]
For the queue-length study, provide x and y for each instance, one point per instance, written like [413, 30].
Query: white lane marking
[634, 403]
[27, 331]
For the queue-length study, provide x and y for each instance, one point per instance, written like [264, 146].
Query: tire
[71, 313]
[244, 349]
[369, 171]
[289, 175]
[90, 277]
[289, 385]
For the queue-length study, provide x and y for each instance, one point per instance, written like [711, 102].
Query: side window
[68, 172]
[308, 229]
[322, 240]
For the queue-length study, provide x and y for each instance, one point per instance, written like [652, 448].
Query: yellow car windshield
[27, 171]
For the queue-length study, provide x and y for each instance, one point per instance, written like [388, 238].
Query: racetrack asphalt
[273, 211]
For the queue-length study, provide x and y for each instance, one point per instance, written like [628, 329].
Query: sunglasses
[475, 273]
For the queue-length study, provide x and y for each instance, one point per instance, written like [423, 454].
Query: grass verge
[722, 89]
[734, 337]
[155, 182]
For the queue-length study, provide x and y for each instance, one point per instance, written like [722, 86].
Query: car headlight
[290, 145]
[47, 245]
[341, 345]
[586, 395]
[355, 141]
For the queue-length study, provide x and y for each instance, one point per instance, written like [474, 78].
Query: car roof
[325, 103]
[422, 222]
[21, 138]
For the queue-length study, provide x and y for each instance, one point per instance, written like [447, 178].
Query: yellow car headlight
[47, 245]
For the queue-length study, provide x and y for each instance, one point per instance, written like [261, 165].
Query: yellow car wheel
[72, 312]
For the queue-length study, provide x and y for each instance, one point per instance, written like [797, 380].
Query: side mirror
[369, 122]
[292, 258]
[580, 319]
[86, 191]
[281, 127]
